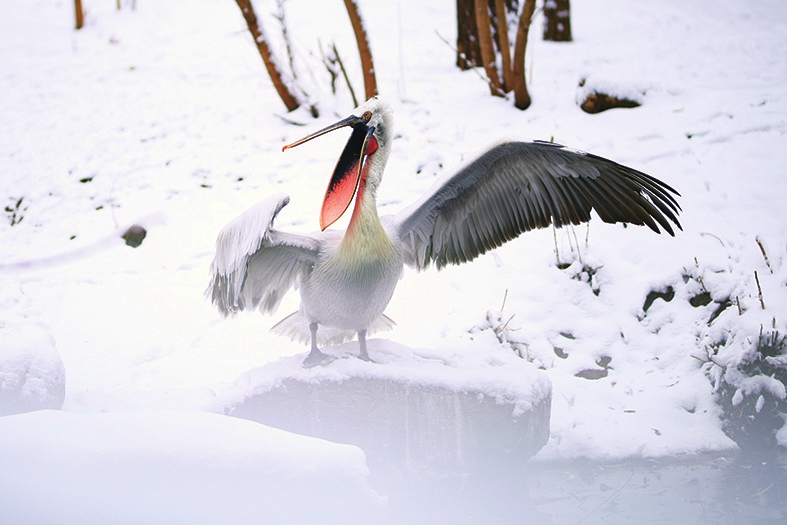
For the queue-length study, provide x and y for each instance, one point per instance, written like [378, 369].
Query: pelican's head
[364, 155]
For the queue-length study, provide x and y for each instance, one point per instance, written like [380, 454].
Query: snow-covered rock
[174, 467]
[421, 411]
[32, 375]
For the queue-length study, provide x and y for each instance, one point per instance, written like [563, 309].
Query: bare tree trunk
[80, 14]
[468, 54]
[486, 43]
[521, 96]
[290, 101]
[367, 64]
[503, 44]
[557, 21]
[490, 29]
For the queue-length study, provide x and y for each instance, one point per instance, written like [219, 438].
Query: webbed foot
[363, 356]
[317, 358]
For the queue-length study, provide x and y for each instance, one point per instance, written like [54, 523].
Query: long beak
[347, 174]
[352, 120]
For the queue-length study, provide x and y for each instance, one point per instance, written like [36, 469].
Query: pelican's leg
[362, 343]
[316, 357]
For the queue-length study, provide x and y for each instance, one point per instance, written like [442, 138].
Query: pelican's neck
[365, 227]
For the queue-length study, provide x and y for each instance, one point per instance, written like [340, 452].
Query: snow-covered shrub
[500, 325]
[573, 263]
[583, 272]
[743, 342]
[753, 393]
[734, 305]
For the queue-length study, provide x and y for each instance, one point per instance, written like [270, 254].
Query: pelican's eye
[367, 116]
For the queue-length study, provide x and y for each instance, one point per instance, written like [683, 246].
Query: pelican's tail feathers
[381, 324]
[296, 327]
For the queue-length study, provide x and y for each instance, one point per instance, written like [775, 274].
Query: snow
[164, 117]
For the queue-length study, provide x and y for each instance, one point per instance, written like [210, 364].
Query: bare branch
[344, 74]
[79, 13]
[367, 64]
[289, 99]
[759, 289]
[764, 254]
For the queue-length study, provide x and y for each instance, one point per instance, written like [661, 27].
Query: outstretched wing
[255, 265]
[518, 186]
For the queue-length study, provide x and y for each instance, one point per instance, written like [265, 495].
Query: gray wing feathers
[254, 265]
[519, 186]
[275, 268]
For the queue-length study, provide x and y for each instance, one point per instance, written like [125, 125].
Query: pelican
[346, 278]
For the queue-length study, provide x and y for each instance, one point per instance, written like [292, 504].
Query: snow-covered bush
[499, 324]
[753, 394]
[743, 344]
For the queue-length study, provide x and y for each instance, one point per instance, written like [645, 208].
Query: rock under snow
[32, 375]
[422, 411]
[168, 467]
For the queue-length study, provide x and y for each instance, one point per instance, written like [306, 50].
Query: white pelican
[346, 278]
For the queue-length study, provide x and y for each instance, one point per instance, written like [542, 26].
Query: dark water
[745, 490]
[733, 489]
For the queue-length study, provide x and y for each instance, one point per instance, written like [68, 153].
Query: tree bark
[367, 64]
[521, 96]
[503, 45]
[79, 14]
[290, 101]
[486, 43]
[468, 54]
[557, 21]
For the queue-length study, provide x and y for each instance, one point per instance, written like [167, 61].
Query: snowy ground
[164, 117]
